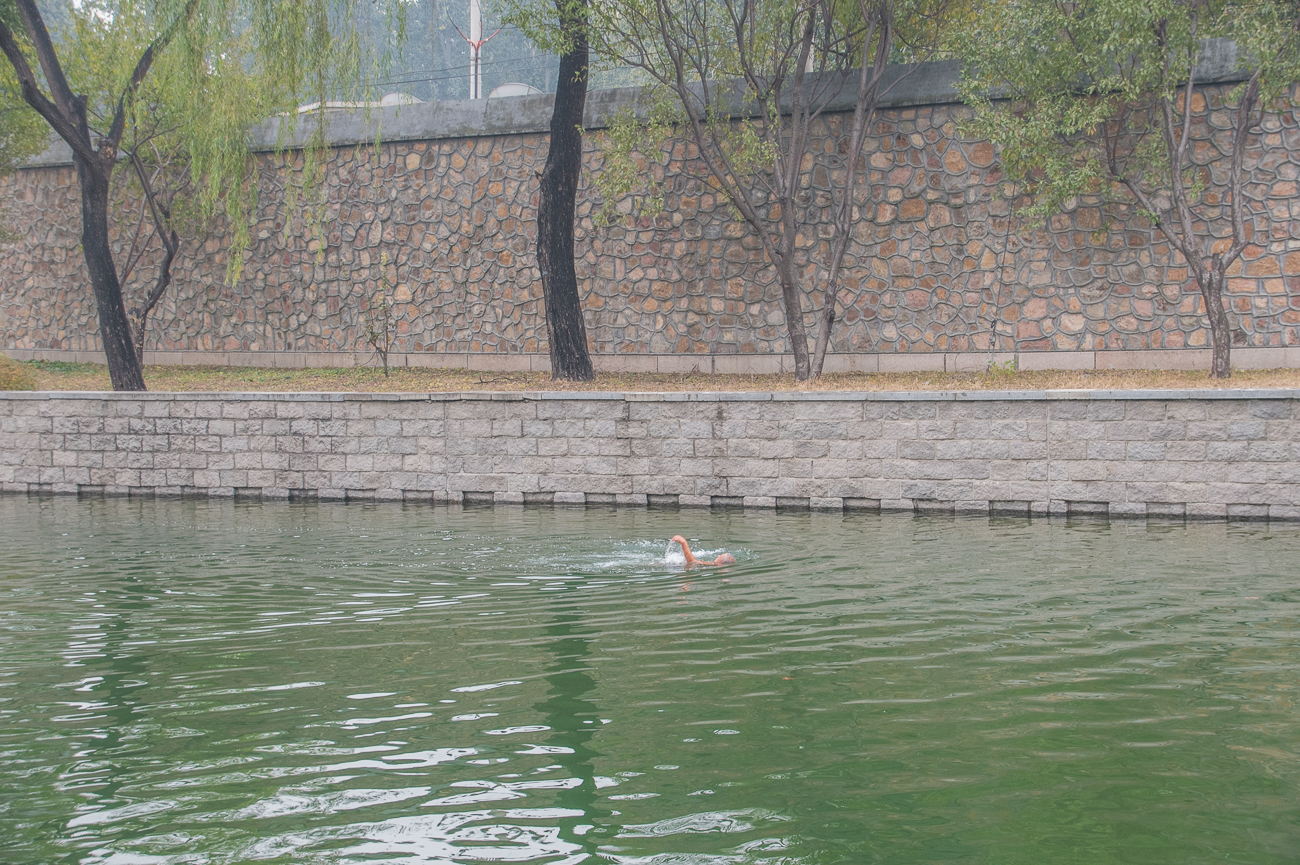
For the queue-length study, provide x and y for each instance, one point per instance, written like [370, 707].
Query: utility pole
[476, 43]
[475, 50]
[440, 62]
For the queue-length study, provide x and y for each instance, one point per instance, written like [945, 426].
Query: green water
[203, 682]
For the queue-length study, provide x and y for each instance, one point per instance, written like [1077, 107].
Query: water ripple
[220, 682]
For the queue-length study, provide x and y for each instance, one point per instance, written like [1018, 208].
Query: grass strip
[47, 375]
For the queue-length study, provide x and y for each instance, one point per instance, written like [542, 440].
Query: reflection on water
[207, 682]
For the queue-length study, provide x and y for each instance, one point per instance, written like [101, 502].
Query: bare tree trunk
[159, 207]
[794, 325]
[788, 173]
[880, 30]
[140, 315]
[114, 329]
[792, 292]
[1220, 330]
[1211, 274]
[567, 333]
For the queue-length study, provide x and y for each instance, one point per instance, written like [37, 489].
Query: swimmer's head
[725, 559]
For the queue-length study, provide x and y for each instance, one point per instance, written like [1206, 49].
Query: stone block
[1145, 450]
[1272, 409]
[1128, 431]
[918, 410]
[1240, 511]
[1106, 410]
[1207, 510]
[916, 450]
[1247, 430]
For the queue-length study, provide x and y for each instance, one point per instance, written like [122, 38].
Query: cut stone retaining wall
[1206, 454]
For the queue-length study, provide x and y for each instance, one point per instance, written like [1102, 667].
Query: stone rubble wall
[447, 227]
[1192, 454]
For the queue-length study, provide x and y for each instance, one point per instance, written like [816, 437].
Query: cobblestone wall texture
[1170, 453]
[448, 226]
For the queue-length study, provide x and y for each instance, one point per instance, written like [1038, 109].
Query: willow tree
[1102, 97]
[561, 26]
[91, 78]
[150, 201]
[746, 81]
[23, 134]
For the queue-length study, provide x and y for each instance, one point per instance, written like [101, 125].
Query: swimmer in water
[722, 559]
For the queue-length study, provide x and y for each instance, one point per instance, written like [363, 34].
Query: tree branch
[1246, 120]
[1176, 147]
[142, 66]
[66, 127]
[131, 257]
[715, 157]
[869, 77]
[47, 56]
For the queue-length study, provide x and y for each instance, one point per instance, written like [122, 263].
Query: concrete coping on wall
[933, 83]
[1239, 393]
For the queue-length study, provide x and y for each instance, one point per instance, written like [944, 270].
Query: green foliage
[1002, 371]
[743, 85]
[1099, 97]
[543, 21]
[220, 67]
[1267, 33]
[753, 64]
[1073, 93]
[634, 148]
[638, 146]
[23, 134]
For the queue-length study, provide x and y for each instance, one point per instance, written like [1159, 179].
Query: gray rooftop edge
[909, 85]
[1181, 394]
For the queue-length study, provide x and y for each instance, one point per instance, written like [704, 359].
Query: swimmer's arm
[723, 559]
[686, 550]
